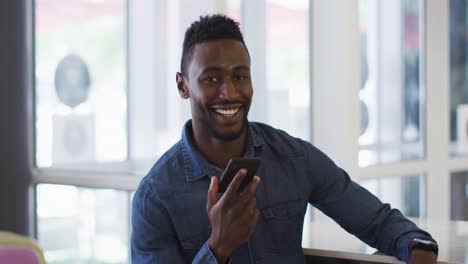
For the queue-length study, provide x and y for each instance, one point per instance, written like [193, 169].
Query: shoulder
[166, 172]
[279, 140]
[282, 142]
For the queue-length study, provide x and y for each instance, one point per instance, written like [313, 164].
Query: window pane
[287, 91]
[392, 91]
[459, 195]
[80, 81]
[234, 10]
[80, 225]
[458, 78]
[404, 193]
[157, 113]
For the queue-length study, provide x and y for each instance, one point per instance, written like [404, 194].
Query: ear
[182, 86]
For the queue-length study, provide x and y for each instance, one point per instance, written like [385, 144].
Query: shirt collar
[197, 167]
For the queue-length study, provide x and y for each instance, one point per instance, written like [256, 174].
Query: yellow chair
[11, 240]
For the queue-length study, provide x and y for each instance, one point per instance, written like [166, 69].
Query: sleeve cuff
[206, 256]
[402, 246]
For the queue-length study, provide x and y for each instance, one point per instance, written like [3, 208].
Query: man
[178, 216]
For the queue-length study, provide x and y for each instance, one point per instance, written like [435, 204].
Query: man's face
[219, 87]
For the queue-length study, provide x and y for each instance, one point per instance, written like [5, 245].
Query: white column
[254, 31]
[336, 72]
[142, 78]
[438, 102]
[390, 86]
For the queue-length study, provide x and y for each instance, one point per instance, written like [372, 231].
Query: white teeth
[227, 112]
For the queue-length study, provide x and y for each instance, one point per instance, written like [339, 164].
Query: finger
[244, 200]
[244, 207]
[253, 185]
[212, 193]
[256, 215]
[231, 191]
[245, 210]
[249, 222]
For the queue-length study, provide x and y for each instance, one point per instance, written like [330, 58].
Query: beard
[225, 136]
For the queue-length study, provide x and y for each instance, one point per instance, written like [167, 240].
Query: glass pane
[459, 195]
[458, 78]
[404, 193]
[234, 10]
[79, 225]
[156, 111]
[287, 90]
[95, 232]
[392, 91]
[80, 82]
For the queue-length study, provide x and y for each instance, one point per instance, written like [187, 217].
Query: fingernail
[243, 171]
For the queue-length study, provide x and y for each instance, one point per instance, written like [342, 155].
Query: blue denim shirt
[170, 223]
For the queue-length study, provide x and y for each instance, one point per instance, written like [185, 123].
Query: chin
[228, 136]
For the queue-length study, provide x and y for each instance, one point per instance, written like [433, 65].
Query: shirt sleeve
[153, 237]
[357, 210]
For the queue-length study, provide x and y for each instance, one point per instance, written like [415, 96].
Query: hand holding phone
[232, 216]
[234, 165]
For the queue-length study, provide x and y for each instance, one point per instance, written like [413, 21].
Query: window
[392, 89]
[80, 88]
[278, 39]
[234, 10]
[459, 195]
[82, 225]
[458, 78]
[407, 193]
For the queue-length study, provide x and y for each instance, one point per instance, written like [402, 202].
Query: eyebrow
[216, 69]
[242, 67]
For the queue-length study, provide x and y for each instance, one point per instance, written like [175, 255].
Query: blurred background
[356, 78]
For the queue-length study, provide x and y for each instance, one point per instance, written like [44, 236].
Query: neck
[219, 152]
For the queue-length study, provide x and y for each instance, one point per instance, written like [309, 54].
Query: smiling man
[178, 215]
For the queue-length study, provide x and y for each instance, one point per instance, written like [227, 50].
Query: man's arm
[357, 210]
[153, 236]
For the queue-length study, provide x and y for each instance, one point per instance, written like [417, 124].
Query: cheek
[199, 102]
[248, 92]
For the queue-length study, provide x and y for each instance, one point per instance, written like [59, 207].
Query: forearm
[364, 215]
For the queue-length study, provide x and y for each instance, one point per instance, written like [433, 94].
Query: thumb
[212, 193]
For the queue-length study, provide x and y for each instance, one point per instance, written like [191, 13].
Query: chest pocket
[283, 227]
[190, 220]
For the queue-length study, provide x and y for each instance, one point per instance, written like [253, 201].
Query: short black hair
[210, 27]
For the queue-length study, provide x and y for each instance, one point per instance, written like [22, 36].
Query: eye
[212, 79]
[241, 77]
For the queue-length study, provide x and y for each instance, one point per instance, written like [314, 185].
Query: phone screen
[234, 165]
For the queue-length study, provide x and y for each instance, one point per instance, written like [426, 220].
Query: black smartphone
[234, 165]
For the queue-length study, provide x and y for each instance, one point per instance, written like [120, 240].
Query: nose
[229, 89]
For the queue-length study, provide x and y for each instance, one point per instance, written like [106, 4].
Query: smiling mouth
[227, 112]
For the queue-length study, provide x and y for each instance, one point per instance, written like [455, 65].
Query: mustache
[227, 102]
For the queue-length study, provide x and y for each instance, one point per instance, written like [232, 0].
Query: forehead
[219, 53]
